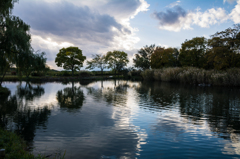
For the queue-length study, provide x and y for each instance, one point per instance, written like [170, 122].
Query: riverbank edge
[14, 146]
[64, 79]
[53, 79]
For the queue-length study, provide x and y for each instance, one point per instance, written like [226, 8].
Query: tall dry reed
[192, 75]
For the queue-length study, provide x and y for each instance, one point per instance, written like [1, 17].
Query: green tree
[98, 61]
[193, 52]
[14, 37]
[117, 60]
[142, 59]
[164, 57]
[70, 58]
[224, 49]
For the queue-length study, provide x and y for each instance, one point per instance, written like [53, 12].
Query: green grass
[15, 147]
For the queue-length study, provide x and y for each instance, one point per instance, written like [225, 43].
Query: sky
[99, 26]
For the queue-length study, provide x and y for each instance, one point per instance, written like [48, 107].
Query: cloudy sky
[98, 26]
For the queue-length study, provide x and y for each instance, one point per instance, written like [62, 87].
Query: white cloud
[235, 14]
[163, 45]
[174, 4]
[176, 19]
[209, 17]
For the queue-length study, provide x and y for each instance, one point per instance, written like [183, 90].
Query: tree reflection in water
[115, 95]
[71, 98]
[18, 116]
[29, 92]
[219, 106]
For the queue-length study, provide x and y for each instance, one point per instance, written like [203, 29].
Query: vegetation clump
[14, 146]
[193, 75]
[4, 91]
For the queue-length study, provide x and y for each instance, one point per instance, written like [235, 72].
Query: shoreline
[55, 79]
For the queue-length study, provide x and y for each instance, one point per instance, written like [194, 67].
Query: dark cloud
[67, 20]
[84, 24]
[171, 16]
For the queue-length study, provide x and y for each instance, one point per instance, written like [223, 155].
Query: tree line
[71, 58]
[220, 52]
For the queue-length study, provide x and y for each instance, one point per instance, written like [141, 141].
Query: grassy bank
[191, 75]
[14, 146]
[59, 78]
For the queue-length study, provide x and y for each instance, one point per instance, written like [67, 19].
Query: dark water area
[124, 119]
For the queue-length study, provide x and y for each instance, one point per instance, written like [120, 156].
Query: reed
[192, 75]
[148, 74]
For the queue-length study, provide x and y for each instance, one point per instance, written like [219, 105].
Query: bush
[35, 74]
[85, 74]
[14, 146]
[4, 91]
[66, 73]
[13, 73]
[135, 73]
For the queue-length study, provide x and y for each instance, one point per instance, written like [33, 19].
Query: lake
[124, 119]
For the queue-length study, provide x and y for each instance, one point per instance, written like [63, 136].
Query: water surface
[124, 119]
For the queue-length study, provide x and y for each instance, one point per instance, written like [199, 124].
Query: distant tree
[98, 61]
[142, 59]
[40, 65]
[230, 38]
[224, 49]
[163, 58]
[70, 58]
[14, 37]
[193, 52]
[117, 60]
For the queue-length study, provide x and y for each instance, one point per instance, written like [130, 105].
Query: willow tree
[14, 37]
[70, 58]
